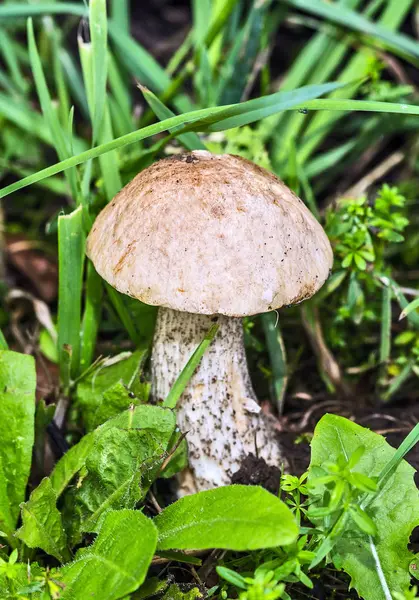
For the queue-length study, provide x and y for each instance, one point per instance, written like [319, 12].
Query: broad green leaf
[116, 467]
[380, 563]
[125, 456]
[144, 416]
[110, 388]
[17, 415]
[235, 517]
[116, 563]
[42, 525]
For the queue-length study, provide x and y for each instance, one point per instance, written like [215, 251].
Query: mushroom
[211, 238]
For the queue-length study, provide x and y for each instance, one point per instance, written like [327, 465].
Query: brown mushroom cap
[210, 234]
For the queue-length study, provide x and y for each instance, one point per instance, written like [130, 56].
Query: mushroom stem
[218, 409]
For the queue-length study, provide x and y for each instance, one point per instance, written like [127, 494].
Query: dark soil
[255, 471]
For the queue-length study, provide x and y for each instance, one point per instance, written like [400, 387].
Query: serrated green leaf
[116, 563]
[377, 564]
[126, 454]
[116, 467]
[235, 517]
[42, 525]
[17, 412]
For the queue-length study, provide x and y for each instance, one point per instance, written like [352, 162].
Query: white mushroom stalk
[210, 236]
[218, 409]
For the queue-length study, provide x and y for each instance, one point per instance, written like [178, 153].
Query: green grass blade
[188, 370]
[398, 381]
[74, 81]
[71, 244]
[108, 162]
[59, 76]
[91, 316]
[56, 185]
[412, 317]
[360, 105]
[260, 108]
[330, 50]
[200, 120]
[120, 10]
[308, 194]
[16, 10]
[277, 356]
[191, 141]
[409, 308]
[397, 42]
[358, 67]
[326, 160]
[138, 61]
[25, 118]
[322, 44]
[385, 340]
[408, 444]
[117, 300]
[180, 54]
[99, 41]
[120, 93]
[244, 54]
[201, 17]
[50, 114]
[7, 49]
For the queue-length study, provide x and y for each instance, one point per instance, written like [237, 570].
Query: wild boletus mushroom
[210, 238]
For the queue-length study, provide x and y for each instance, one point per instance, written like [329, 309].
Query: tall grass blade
[99, 41]
[91, 316]
[277, 356]
[201, 120]
[117, 300]
[50, 114]
[120, 10]
[397, 42]
[71, 245]
[385, 340]
[409, 309]
[191, 141]
[188, 370]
